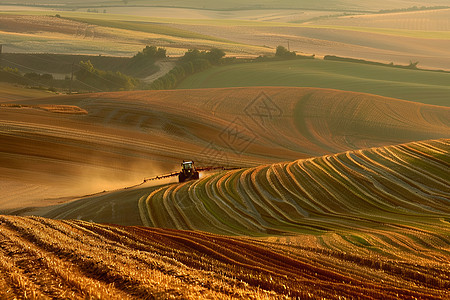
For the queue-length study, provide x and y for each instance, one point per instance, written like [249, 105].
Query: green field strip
[313, 190]
[431, 149]
[439, 161]
[319, 193]
[307, 200]
[424, 34]
[227, 189]
[427, 171]
[209, 214]
[222, 214]
[334, 195]
[262, 206]
[391, 181]
[271, 198]
[182, 213]
[285, 191]
[364, 189]
[143, 212]
[361, 179]
[162, 212]
[399, 164]
[376, 191]
[240, 214]
[413, 85]
[251, 200]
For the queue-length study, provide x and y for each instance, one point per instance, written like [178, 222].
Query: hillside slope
[126, 136]
[384, 201]
[47, 259]
[412, 85]
[357, 189]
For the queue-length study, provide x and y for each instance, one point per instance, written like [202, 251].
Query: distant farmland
[413, 85]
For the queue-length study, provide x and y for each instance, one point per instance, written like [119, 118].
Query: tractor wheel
[196, 175]
[181, 178]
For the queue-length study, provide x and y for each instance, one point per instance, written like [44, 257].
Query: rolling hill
[436, 20]
[335, 187]
[62, 151]
[242, 5]
[392, 188]
[248, 32]
[413, 85]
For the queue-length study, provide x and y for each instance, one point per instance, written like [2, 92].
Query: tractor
[188, 171]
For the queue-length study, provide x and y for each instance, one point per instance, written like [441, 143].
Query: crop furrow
[62, 274]
[233, 215]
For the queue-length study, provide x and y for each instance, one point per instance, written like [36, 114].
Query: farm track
[44, 259]
[379, 199]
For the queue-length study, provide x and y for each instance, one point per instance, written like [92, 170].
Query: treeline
[118, 81]
[105, 80]
[13, 75]
[193, 61]
[282, 53]
[412, 65]
[88, 77]
[413, 8]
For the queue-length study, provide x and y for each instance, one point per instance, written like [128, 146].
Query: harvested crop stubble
[78, 259]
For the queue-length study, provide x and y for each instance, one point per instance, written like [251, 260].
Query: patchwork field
[413, 85]
[244, 33]
[98, 34]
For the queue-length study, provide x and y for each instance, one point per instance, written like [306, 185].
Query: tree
[284, 53]
[86, 70]
[214, 55]
[191, 55]
[413, 65]
[105, 80]
[151, 52]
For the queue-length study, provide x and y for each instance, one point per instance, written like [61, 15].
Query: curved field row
[43, 259]
[383, 199]
[127, 136]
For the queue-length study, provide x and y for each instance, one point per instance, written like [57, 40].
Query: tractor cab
[188, 171]
[187, 166]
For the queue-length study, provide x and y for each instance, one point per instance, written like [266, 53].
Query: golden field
[127, 136]
[45, 259]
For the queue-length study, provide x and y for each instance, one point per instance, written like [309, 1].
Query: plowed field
[123, 137]
[45, 259]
